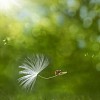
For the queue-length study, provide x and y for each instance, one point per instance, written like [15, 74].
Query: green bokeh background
[68, 33]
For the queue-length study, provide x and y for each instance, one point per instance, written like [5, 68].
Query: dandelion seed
[31, 68]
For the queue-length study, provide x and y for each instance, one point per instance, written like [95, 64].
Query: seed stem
[47, 77]
[52, 76]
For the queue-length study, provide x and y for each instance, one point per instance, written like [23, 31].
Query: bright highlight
[7, 4]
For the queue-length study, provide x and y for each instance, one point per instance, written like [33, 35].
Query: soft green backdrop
[68, 33]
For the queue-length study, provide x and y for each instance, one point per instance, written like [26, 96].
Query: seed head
[30, 69]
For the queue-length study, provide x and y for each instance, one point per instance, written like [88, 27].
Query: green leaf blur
[67, 32]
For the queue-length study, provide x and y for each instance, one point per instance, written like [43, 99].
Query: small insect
[59, 72]
[31, 68]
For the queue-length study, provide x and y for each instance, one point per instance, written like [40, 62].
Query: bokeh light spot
[98, 67]
[6, 5]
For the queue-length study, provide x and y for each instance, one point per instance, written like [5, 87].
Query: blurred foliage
[68, 33]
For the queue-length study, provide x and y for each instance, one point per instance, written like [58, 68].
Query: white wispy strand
[31, 67]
